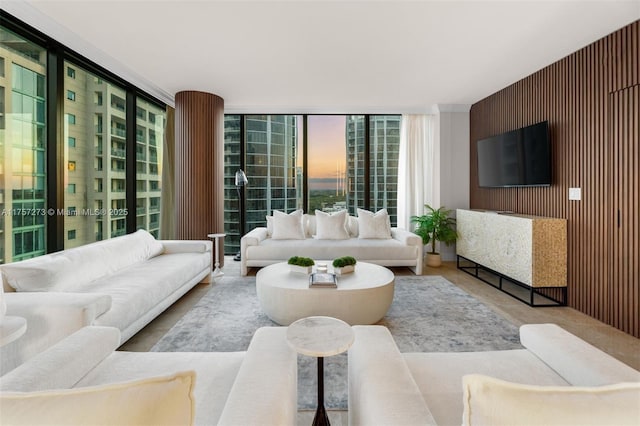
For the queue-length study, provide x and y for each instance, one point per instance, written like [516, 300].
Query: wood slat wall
[590, 99]
[199, 166]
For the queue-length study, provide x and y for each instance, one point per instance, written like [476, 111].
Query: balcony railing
[119, 132]
[118, 232]
[115, 152]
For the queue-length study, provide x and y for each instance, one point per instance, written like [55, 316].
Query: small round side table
[217, 272]
[320, 337]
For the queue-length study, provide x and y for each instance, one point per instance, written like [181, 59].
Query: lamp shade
[241, 178]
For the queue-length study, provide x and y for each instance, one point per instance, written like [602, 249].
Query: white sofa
[404, 248]
[256, 387]
[390, 388]
[123, 282]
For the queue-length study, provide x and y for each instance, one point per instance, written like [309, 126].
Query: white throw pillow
[374, 225]
[352, 226]
[42, 273]
[331, 226]
[155, 401]
[71, 269]
[309, 222]
[490, 401]
[269, 225]
[287, 226]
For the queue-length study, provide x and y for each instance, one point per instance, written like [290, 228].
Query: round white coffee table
[362, 297]
[320, 337]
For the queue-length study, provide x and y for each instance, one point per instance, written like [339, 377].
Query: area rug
[428, 314]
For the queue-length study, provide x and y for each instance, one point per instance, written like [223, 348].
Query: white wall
[452, 148]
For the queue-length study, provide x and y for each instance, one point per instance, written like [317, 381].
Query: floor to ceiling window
[351, 162]
[232, 163]
[384, 148]
[22, 147]
[272, 145]
[76, 141]
[150, 122]
[95, 155]
[328, 188]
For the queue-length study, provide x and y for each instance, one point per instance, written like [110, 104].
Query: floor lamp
[241, 181]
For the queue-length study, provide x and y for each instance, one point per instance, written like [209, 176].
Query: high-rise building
[150, 123]
[93, 150]
[384, 145]
[22, 148]
[95, 132]
[271, 168]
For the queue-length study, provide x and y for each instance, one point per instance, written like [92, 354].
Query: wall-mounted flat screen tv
[521, 157]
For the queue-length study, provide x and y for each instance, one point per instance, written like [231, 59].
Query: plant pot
[344, 270]
[434, 260]
[301, 269]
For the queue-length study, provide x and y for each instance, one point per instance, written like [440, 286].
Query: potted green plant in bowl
[435, 225]
[344, 265]
[303, 265]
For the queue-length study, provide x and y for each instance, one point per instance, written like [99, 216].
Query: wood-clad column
[199, 166]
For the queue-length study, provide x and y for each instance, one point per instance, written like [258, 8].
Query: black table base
[321, 418]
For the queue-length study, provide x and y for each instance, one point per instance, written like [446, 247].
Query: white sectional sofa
[68, 384]
[123, 282]
[403, 248]
[387, 387]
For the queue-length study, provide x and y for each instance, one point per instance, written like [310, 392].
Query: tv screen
[521, 157]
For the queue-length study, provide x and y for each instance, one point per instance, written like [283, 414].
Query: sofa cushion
[382, 390]
[331, 226]
[62, 365]
[215, 375]
[67, 269]
[488, 400]
[580, 363]
[374, 225]
[164, 400]
[361, 249]
[287, 226]
[141, 287]
[352, 226]
[447, 369]
[269, 225]
[268, 379]
[309, 222]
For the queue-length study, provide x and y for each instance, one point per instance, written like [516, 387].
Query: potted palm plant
[435, 225]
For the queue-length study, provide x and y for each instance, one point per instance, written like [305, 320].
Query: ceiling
[327, 56]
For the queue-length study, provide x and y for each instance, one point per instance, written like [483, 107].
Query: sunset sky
[326, 145]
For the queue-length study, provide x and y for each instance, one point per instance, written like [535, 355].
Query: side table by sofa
[217, 273]
[320, 337]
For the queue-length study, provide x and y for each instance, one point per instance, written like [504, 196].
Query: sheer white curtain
[416, 167]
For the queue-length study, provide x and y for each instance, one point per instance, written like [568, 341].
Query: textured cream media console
[531, 250]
